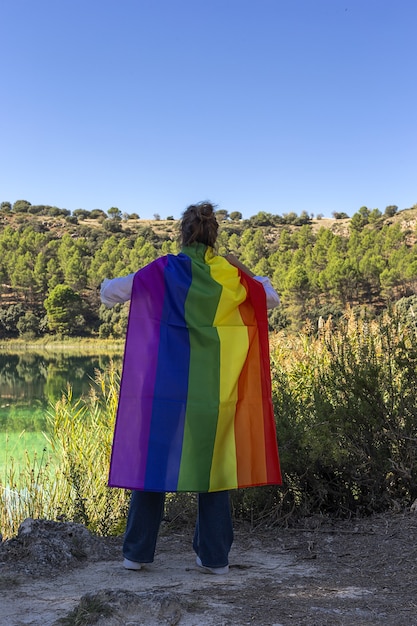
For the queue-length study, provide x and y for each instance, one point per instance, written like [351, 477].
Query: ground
[360, 572]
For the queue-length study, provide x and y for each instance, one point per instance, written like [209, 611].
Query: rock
[46, 544]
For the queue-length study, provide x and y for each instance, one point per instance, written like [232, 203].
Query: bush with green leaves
[347, 416]
[64, 309]
[113, 321]
[9, 319]
[29, 325]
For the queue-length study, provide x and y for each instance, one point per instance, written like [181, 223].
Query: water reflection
[30, 382]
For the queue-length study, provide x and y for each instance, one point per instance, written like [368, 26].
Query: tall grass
[81, 438]
[346, 413]
[27, 491]
[70, 482]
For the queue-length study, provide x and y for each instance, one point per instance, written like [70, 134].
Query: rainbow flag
[195, 410]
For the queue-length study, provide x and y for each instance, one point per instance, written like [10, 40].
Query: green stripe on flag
[204, 380]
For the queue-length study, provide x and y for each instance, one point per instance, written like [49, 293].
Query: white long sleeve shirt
[116, 290]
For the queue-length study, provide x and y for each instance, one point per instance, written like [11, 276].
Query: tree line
[52, 263]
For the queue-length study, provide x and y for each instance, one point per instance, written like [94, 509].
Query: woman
[195, 410]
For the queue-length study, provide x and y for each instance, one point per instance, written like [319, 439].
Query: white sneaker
[212, 570]
[131, 565]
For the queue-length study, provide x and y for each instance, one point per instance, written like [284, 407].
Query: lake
[29, 383]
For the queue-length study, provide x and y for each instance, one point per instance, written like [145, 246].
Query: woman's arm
[272, 298]
[116, 290]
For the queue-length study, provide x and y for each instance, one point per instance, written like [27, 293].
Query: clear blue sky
[257, 105]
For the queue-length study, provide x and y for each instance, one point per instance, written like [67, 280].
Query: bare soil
[360, 572]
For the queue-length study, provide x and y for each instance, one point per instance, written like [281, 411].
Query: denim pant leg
[213, 535]
[143, 521]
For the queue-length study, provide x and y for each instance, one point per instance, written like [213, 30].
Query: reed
[70, 482]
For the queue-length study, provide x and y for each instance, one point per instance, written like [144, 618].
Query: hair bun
[199, 224]
[204, 211]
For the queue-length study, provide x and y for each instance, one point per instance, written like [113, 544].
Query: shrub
[347, 418]
[28, 325]
[9, 318]
[64, 310]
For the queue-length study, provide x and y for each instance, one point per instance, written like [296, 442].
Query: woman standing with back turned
[195, 411]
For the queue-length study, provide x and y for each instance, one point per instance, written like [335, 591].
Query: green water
[29, 385]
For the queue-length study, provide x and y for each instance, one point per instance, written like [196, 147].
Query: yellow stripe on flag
[233, 337]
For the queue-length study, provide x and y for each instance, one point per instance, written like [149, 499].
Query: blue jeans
[213, 534]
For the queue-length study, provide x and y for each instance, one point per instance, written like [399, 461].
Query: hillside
[167, 228]
[51, 263]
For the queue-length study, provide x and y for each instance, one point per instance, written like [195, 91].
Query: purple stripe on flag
[130, 447]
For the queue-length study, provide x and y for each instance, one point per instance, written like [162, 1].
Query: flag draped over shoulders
[195, 410]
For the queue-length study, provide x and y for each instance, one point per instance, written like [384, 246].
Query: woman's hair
[199, 225]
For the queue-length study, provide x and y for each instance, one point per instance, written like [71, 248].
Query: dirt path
[346, 573]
